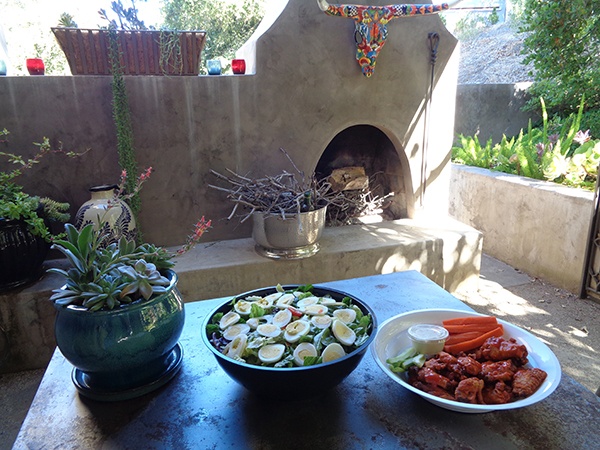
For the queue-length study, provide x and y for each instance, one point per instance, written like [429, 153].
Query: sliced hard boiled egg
[232, 331]
[264, 302]
[274, 296]
[282, 318]
[253, 322]
[271, 353]
[285, 299]
[236, 347]
[229, 319]
[268, 330]
[333, 351]
[243, 307]
[316, 310]
[346, 315]
[328, 301]
[343, 333]
[303, 350]
[295, 330]
[321, 322]
[303, 303]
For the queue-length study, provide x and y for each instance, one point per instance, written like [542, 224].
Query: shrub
[555, 152]
[563, 43]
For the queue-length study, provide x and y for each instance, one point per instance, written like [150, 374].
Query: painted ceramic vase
[125, 352]
[104, 207]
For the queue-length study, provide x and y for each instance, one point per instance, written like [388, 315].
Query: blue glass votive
[2, 67]
[213, 66]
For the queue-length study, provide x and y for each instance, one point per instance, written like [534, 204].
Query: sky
[86, 15]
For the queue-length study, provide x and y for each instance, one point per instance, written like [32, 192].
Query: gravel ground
[493, 56]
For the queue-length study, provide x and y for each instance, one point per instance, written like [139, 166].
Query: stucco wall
[538, 227]
[492, 110]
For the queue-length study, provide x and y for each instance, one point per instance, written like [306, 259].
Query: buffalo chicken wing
[493, 374]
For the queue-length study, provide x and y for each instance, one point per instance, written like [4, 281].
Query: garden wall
[491, 110]
[535, 226]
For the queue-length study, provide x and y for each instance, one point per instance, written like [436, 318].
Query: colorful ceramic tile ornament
[371, 25]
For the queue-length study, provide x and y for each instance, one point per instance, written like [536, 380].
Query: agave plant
[106, 277]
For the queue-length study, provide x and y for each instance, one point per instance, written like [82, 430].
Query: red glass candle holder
[35, 66]
[238, 66]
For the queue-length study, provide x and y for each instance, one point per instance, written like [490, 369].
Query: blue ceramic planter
[123, 353]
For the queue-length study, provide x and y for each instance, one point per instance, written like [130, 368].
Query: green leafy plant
[15, 204]
[493, 18]
[228, 25]
[554, 152]
[562, 40]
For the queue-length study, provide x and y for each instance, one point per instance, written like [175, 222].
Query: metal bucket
[294, 237]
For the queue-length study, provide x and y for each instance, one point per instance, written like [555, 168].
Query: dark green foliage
[18, 205]
[228, 25]
[591, 121]
[563, 43]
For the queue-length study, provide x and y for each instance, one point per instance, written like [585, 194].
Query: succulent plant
[104, 278]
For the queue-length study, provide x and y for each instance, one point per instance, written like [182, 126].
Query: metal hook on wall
[433, 41]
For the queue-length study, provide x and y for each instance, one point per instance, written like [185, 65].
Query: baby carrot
[461, 337]
[470, 320]
[484, 327]
[473, 343]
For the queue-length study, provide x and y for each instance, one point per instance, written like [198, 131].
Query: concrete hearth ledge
[446, 251]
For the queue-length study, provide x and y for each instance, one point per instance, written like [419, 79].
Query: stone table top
[202, 408]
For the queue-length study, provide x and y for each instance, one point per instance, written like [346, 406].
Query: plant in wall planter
[288, 213]
[143, 51]
[119, 314]
[25, 219]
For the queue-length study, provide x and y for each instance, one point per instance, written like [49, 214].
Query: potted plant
[288, 213]
[25, 219]
[143, 51]
[119, 314]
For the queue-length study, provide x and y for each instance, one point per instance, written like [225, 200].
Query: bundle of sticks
[281, 194]
[292, 193]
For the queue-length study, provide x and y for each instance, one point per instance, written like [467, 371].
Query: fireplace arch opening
[368, 148]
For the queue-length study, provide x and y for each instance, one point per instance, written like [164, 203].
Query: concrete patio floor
[563, 321]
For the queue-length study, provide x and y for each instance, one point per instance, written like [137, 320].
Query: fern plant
[15, 204]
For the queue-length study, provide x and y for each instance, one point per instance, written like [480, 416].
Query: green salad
[289, 328]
